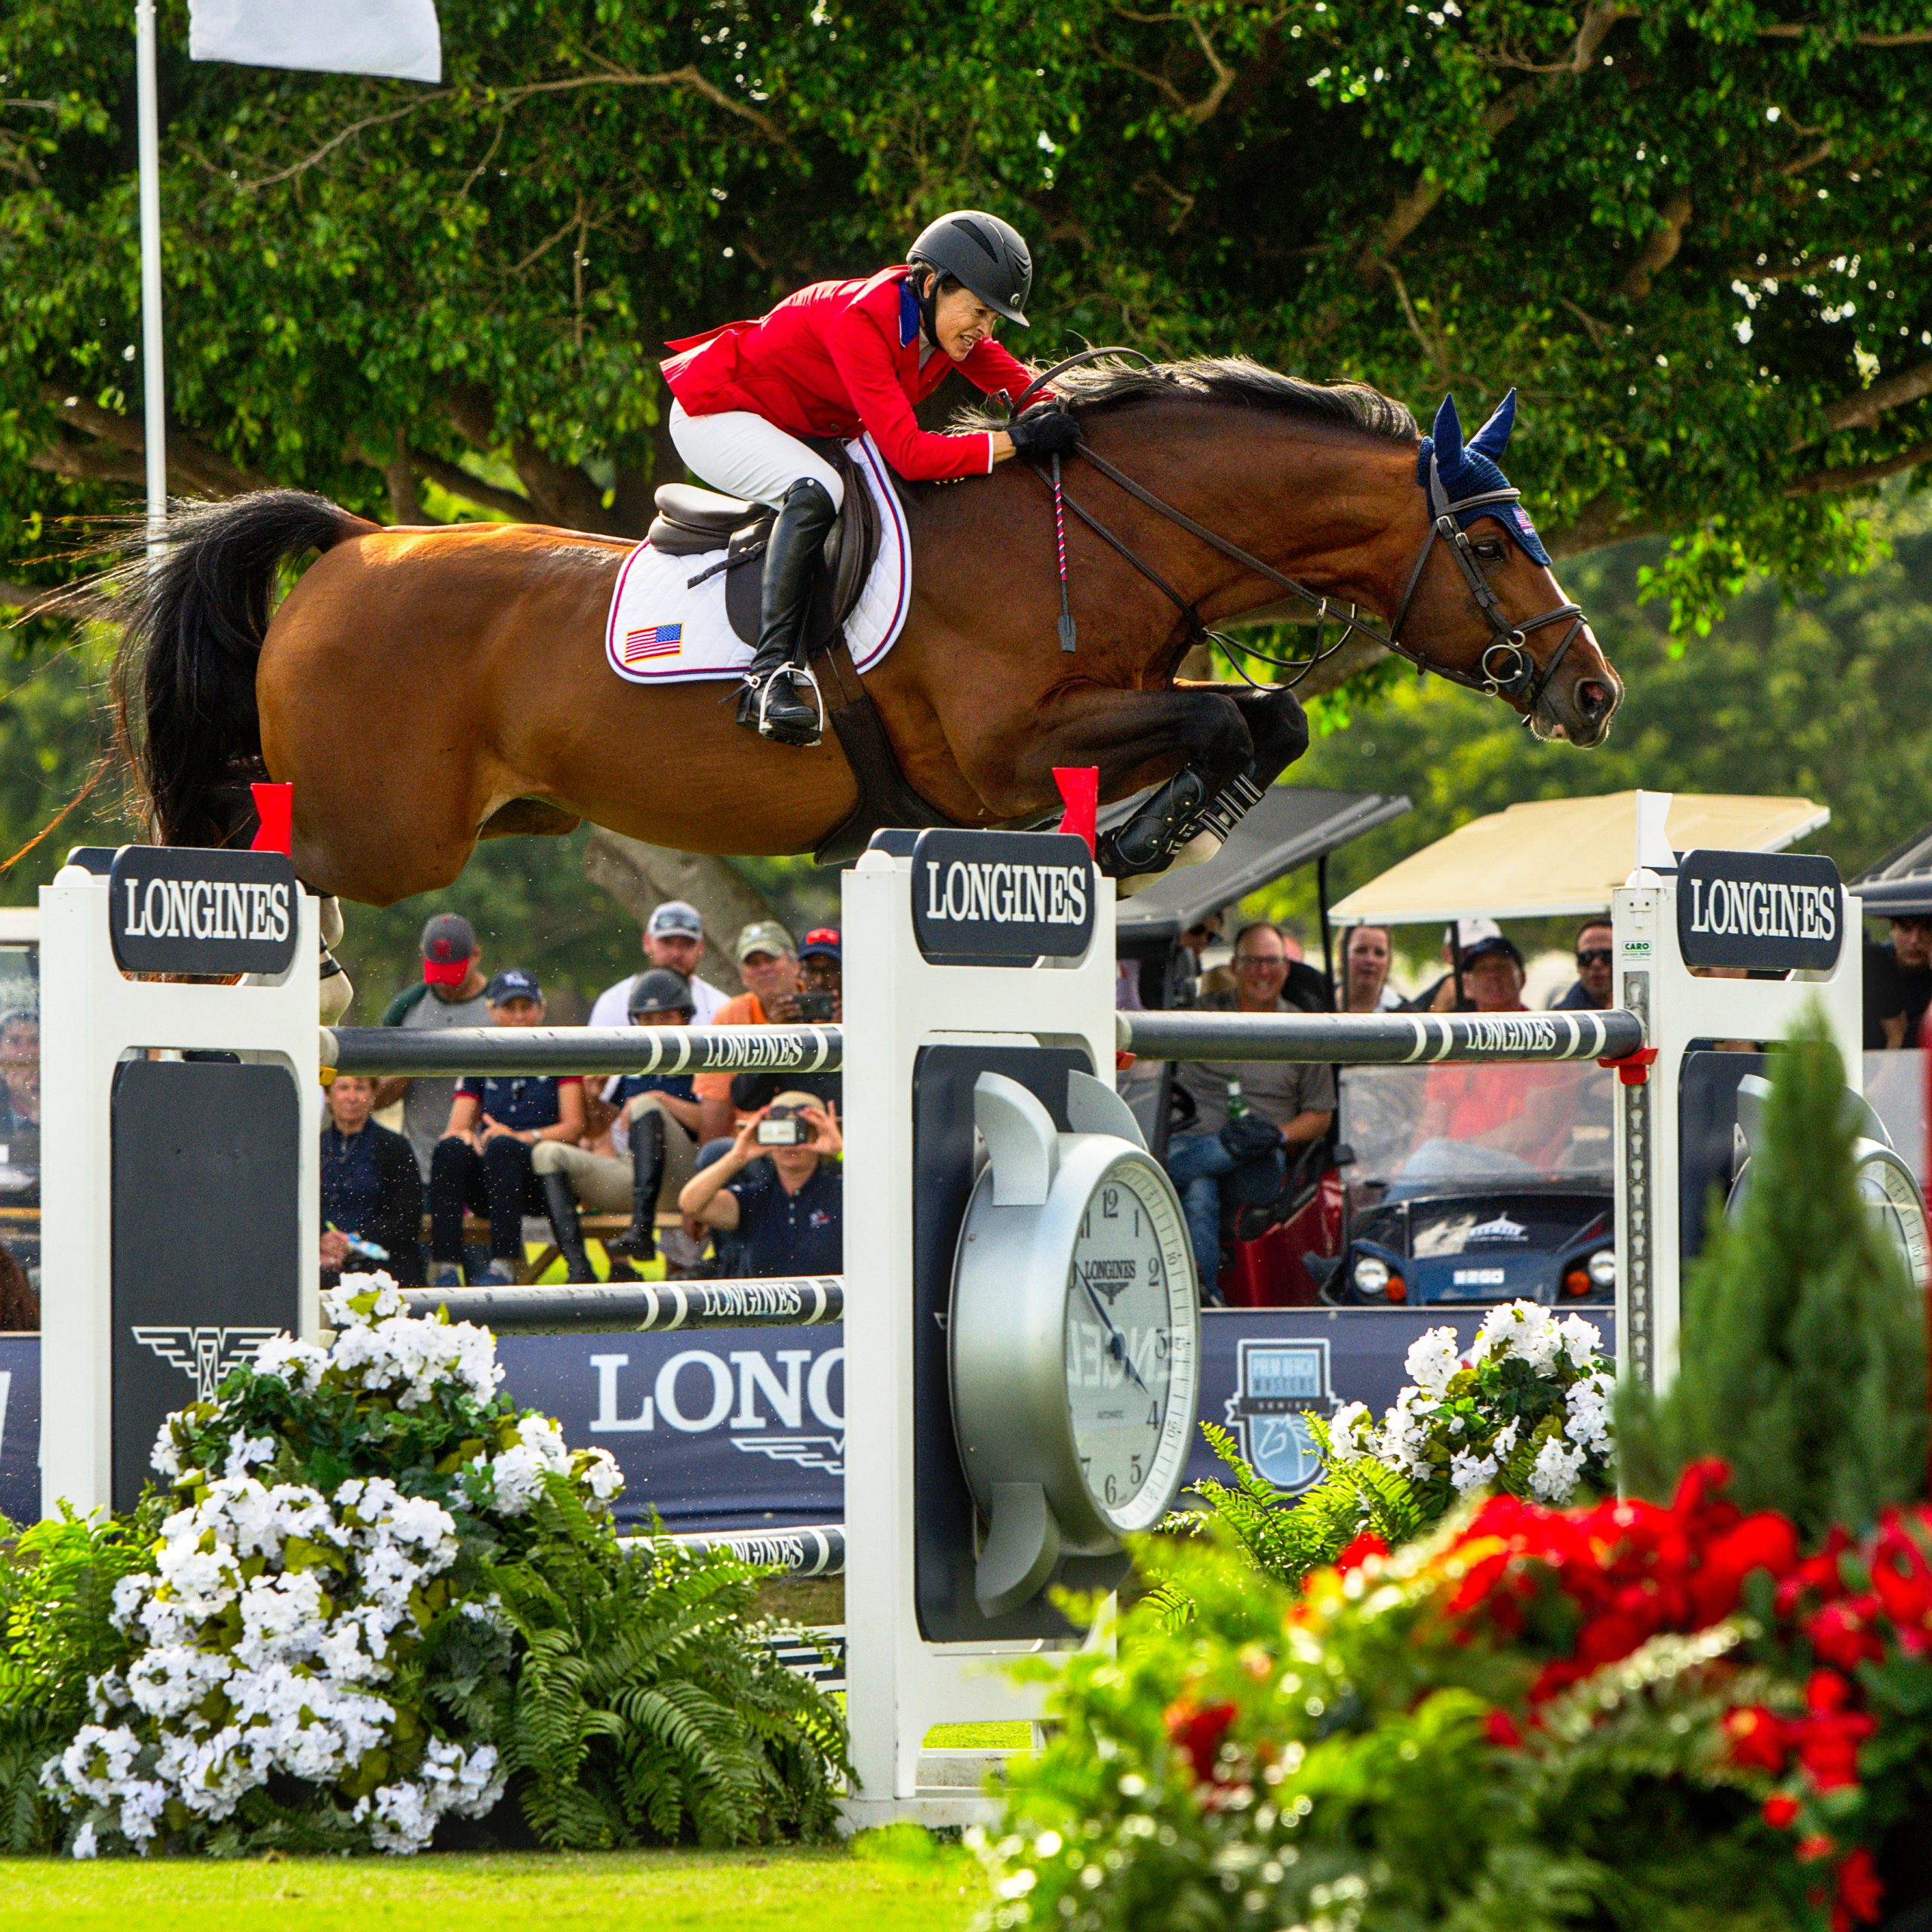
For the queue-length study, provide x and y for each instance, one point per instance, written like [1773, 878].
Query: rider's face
[961, 322]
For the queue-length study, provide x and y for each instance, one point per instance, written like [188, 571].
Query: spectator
[19, 1105]
[820, 1002]
[1448, 994]
[784, 1202]
[484, 1159]
[1592, 988]
[372, 1190]
[653, 1143]
[1898, 983]
[1303, 987]
[452, 994]
[767, 960]
[1218, 1162]
[673, 939]
[1367, 954]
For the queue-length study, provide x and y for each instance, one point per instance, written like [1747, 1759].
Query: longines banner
[184, 908]
[746, 1430]
[1769, 911]
[1002, 898]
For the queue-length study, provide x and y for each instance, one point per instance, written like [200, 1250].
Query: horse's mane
[1114, 383]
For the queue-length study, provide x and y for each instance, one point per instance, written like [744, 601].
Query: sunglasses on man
[1595, 955]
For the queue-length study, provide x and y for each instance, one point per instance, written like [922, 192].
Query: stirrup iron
[799, 674]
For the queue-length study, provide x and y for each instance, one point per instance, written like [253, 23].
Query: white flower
[243, 1453]
[1467, 1471]
[84, 1846]
[166, 1459]
[1590, 1419]
[1350, 1433]
[1553, 1475]
[1433, 1358]
[1520, 1328]
[1582, 1341]
[140, 1810]
[338, 1307]
[300, 1365]
[1504, 1445]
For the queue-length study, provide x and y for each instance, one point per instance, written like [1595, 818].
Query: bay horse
[424, 688]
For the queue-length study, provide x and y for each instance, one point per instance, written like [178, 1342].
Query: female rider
[835, 358]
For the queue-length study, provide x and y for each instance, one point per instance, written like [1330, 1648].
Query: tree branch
[190, 460]
[1796, 29]
[458, 482]
[1414, 208]
[1859, 475]
[1862, 412]
[66, 601]
[1659, 250]
[561, 491]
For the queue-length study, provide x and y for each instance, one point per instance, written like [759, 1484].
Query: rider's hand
[1043, 432]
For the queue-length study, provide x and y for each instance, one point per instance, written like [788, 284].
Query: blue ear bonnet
[1472, 470]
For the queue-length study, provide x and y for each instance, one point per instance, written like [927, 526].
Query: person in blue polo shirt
[779, 1189]
[484, 1159]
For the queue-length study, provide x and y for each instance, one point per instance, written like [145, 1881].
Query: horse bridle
[1505, 669]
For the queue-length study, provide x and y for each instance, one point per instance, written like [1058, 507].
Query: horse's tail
[184, 676]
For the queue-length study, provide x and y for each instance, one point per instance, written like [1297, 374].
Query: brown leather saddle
[692, 522]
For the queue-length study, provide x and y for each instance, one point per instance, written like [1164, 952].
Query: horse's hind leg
[336, 990]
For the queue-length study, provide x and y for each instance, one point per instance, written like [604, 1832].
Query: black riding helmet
[982, 253]
[660, 990]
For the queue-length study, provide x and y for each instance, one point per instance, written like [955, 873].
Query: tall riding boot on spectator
[638, 1242]
[560, 1204]
[780, 698]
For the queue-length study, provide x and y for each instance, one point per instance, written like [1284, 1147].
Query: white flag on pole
[399, 38]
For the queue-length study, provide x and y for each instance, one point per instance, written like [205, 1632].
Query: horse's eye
[1489, 549]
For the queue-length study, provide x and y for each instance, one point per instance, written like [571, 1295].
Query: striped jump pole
[1392, 1039]
[458, 1051]
[815, 1549]
[777, 1301]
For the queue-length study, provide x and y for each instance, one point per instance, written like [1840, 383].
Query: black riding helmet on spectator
[660, 990]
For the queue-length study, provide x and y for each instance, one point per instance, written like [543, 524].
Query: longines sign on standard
[182, 908]
[1768, 912]
[1002, 898]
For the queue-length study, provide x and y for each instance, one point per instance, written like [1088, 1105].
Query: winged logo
[808, 1452]
[205, 1355]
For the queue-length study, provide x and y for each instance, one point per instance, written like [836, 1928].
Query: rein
[1505, 669]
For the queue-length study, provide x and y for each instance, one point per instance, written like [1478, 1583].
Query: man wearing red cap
[450, 994]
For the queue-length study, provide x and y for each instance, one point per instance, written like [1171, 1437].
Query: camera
[816, 1009]
[781, 1130]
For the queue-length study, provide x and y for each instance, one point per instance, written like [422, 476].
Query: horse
[423, 688]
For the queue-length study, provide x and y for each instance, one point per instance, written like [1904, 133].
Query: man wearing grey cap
[451, 994]
[673, 939]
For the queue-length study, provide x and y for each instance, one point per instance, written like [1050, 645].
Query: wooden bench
[595, 1227]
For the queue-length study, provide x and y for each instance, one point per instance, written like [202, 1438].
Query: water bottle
[1237, 1107]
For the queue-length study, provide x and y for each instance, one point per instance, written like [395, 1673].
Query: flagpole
[153, 384]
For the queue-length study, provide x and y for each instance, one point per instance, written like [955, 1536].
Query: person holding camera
[778, 1190]
[654, 1147]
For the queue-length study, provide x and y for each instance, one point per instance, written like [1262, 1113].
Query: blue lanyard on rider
[909, 314]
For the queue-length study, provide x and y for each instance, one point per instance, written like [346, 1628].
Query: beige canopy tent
[1557, 857]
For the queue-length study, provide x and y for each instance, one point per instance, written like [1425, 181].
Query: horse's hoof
[335, 991]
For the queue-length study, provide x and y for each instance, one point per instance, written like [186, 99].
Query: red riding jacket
[837, 358]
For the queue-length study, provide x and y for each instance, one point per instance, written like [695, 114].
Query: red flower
[1826, 1691]
[1197, 1734]
[1780, 1809]
[1365, 1545]
[1901, 1577]
[1827, 1747]
[1499, 1727]
[1758, 1739]
[1817, 1846]
[1860, 1892]
[1841, 1633]
[1764, 1542]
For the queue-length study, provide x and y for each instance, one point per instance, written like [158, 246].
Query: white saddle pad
[662, 631]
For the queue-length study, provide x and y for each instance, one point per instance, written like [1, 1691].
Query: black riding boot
[778, 700]
[638, 1242]
[561, 1205]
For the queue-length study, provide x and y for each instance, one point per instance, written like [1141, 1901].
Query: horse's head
[1482, 604]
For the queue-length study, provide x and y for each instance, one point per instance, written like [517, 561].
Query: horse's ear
[1493, 438]
[1448, 438]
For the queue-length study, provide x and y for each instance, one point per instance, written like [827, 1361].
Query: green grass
[898, 1881]
[979, 1737]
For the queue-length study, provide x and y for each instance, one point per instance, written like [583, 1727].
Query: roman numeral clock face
[1128, 1291]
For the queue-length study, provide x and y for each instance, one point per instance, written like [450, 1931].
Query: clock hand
[1117, 1342]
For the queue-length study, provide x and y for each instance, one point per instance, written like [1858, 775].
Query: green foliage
[640, 1712]
[1802, 1359]
[1277, 1762]
[56, 1593]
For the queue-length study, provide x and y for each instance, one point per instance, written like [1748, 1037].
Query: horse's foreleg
[1279, 727]
[1134, 738]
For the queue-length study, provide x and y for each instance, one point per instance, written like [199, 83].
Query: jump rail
[777, 1301]
[481, 1051]
[1371, 1039]
[815, 1549]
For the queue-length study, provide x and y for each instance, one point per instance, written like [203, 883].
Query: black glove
[1041, 433]
[1250, 1137]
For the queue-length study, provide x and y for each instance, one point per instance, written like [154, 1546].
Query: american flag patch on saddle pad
[657, 641]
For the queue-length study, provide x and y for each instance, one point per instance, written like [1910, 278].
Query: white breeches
[745, 456]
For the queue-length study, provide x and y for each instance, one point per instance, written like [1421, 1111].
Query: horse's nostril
[1592, 698]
